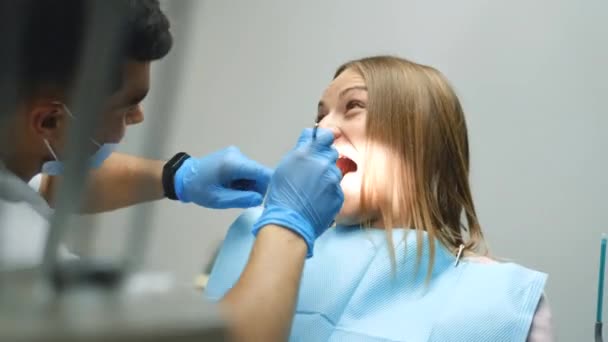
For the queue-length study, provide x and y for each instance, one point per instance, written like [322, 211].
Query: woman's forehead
[347, 79]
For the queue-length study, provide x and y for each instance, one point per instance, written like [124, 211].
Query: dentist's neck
[16, 158]
[20, 166]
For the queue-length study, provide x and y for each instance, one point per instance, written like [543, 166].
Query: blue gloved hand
[210, 181]
[305, 194]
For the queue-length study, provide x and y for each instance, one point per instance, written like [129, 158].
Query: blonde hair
[414, 113]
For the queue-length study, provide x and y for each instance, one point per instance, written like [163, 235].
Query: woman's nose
[336, 132]
[329, 122]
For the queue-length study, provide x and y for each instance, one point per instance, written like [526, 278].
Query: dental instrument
[600, 291]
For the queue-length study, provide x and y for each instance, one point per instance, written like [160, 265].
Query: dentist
[304, 192]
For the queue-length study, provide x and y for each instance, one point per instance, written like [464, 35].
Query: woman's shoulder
[541, 329]
[490, 260]
[481, 259]
[508, 271]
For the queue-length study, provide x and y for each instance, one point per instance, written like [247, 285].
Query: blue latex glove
[305, 194]
[209, 181]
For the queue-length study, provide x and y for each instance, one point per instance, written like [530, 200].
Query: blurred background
[532, 77]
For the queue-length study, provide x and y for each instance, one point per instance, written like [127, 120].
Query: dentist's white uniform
[24, 225]
[24, 222]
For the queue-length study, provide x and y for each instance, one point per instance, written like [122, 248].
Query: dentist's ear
[45, 117]
[47, 120]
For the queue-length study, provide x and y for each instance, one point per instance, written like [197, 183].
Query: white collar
[14, 189]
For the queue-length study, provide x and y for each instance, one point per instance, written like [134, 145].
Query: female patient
[401, 265]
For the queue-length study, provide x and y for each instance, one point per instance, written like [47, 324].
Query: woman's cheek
[351, 209]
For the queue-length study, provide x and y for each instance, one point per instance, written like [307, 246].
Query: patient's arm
[260, 307]
[121, 181]
[542, 324]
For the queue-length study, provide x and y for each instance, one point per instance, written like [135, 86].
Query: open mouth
[346, 165]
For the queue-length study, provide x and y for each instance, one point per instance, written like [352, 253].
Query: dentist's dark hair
[43, 40]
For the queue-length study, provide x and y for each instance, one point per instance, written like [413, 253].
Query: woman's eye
[354, 104]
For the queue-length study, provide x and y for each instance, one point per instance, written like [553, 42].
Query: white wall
[531, 75]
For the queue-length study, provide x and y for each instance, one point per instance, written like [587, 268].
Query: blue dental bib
[348, 292]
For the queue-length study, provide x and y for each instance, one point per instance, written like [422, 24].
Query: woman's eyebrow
[321, 104]
[343, 92]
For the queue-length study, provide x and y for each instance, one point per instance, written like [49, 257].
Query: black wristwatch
[169, 171]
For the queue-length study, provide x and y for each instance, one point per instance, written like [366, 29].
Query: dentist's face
[121, 109]
[344, 106]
